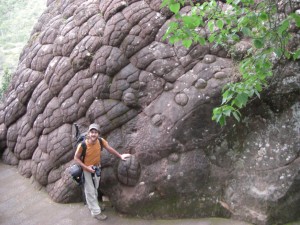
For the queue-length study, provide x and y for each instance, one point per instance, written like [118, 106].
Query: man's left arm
[115, 152]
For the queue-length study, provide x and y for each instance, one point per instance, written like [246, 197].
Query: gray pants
[91, 192]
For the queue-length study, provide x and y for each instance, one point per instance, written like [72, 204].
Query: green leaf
[191, 21]
[243, 21]
[175, 7]
[236, 116]
[258, 87]
[227, 96]
[174, 39]
[201, 40]
[287, 54]
[187, 20]
[217, 114]
[258, 43]
[264, 16]
[283, 27]
[164, 3]
[246, 31]
[235, 37]
[296, 54]
[227, 112]
[197, 21]
[278, 52]
[220, 24]
[241, 100]
[187, 43]
[212, 38]
[211, 25]
[222, 121]
[257, 93]
[297, 20]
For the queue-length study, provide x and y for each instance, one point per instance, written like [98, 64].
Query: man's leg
[91, 193]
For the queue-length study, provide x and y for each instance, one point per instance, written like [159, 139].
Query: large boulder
[106, 62]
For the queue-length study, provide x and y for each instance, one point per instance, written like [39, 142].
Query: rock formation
[105, 62]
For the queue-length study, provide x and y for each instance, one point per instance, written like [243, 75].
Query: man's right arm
[77, 156]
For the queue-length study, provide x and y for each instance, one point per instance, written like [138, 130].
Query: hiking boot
[100, 216]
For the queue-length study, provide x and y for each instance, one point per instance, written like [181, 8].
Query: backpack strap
[101, 143]
[83, 145]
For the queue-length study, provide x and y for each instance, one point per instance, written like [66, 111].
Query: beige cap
[94, 126]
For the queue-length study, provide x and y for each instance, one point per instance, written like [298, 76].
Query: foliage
[261, 21]
[17, 18]
[6, 78]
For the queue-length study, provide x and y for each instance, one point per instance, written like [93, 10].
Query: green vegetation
[17, 18]
[6, 77]
[268, 23]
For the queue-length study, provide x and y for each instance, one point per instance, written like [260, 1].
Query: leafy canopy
[262, 22]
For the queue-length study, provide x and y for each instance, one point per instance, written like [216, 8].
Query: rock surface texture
[105, 62]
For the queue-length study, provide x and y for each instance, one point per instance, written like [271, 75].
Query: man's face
[93, 135]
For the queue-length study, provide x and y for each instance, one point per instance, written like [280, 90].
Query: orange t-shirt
[93, 152]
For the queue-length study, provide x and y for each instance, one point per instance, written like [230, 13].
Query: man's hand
[90, 169]
[125, 156]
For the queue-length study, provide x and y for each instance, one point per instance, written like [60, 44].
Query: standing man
[90, 165]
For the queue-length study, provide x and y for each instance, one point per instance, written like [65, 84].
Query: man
[92, 159]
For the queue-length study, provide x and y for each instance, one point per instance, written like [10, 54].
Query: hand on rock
[125, 156]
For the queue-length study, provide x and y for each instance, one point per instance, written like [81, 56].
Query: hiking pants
[91, 192]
